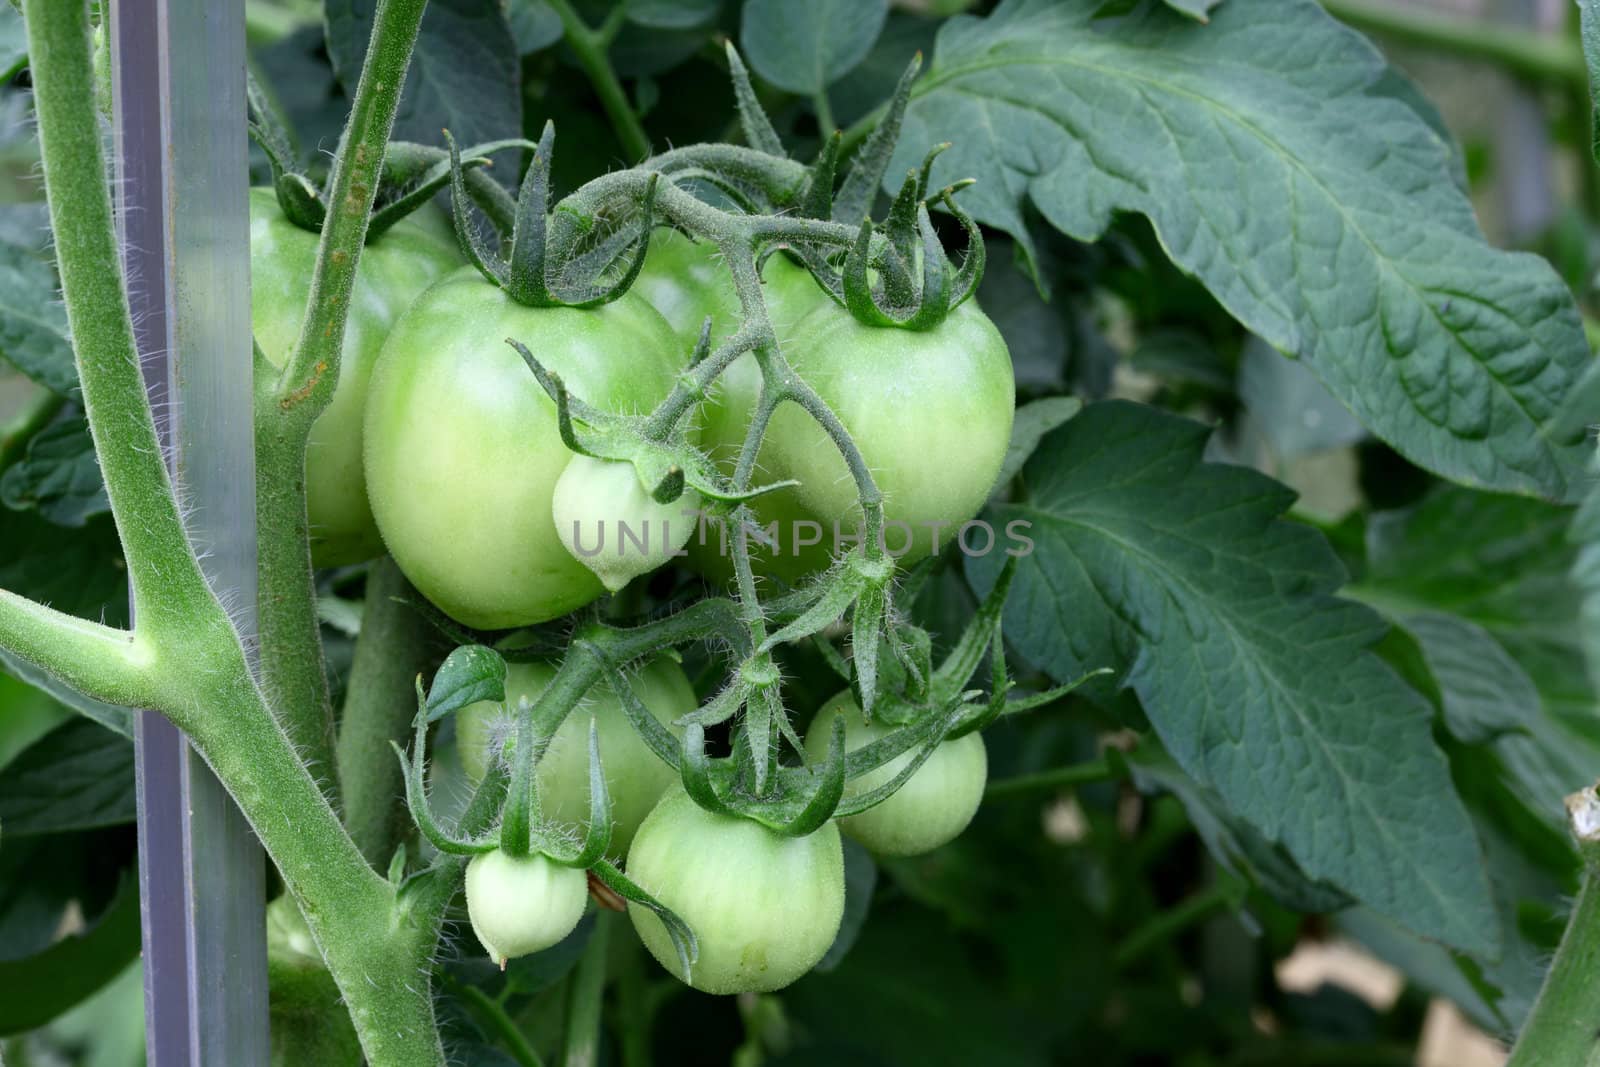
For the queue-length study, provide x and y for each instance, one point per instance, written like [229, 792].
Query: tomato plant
[769, 533]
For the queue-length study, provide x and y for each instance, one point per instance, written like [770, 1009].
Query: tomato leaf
[1258, 680]
[59, 475]
[37, 988]
[535, 25]
[1032, 422]
[77, 777]
[464, 73]
[1589, 30]
[469, 674]
[13, 43]
[1277, 164]
[33, 324]
[673, 14]
[805, 48]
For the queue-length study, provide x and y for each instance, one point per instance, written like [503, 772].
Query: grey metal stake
[178, 71]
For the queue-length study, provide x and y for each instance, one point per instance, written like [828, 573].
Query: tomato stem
[589, 45]
[1563, 1027]
[586, 994]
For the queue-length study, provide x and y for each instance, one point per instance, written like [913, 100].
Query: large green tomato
[930, 809]
[522, 905]
[929, 410]
[394, 270]
[635, 776]
[463, 451]
[764, 907]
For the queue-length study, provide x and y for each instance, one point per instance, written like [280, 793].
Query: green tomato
[463, 450]
[930, 412]
[394, 270]
[608, 520]
[764, 907]
[522, 905]
[930, 809]
[635, 776]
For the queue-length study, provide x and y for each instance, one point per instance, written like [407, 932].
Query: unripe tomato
[394, 269]
[463, 450]
[764, 907]
[929, 410]
[933, 806]
[610, 523]
[518, 906]
[635, 776]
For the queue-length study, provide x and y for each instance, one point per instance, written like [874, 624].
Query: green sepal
[871, 162]
[684, 941]
[758, 131]
[415, 770]
[522, 797]
[597, 839]
[817, 200]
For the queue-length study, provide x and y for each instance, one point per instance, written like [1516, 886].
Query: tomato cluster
[441, 446]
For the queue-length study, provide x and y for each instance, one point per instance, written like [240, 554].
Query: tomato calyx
[411, 174]
[570, 258]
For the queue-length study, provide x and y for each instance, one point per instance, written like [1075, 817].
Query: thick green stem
[292, 669]
[586, 994]
[392, 650]
[1528, 53]
[166, 580]
[590, 47]
[1563, 1029]
[379, 963]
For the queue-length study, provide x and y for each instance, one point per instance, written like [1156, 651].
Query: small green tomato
[933, 806]
[611, 524]
[518, 906]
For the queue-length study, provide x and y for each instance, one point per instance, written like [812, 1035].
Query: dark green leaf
[77, 571]
[1586, 576]
[1032, 422]
[806, 47]
[468, 675]
[673, 14]
[1257, 678]
[1234, 844]
[37, 988]
[13, 43]
[1483, 691]
[534, 25]
[33, 324]
[59, 475]
[78, 777]
[1320, 213]
[464, 73]
[1181, 356]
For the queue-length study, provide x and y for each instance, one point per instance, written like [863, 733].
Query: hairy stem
[1563, 1028]
[590, 48]
[292, 669]
[394, 647]
[167, 584]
